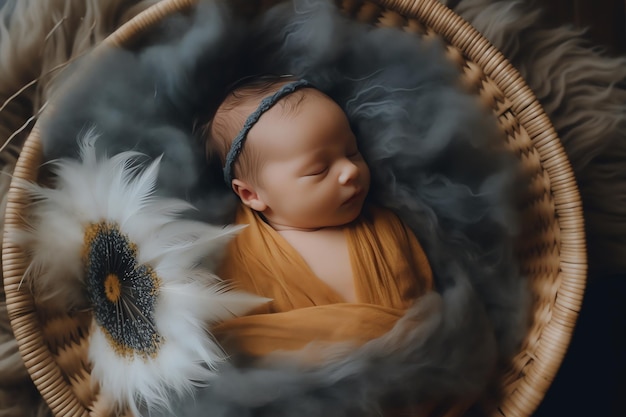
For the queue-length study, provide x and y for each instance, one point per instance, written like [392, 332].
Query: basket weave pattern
[552, 248]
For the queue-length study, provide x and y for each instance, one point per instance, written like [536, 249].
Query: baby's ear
[248, 195]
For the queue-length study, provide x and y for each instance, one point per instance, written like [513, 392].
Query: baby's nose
[349, 173]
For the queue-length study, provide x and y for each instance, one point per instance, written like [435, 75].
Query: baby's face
[311, 173]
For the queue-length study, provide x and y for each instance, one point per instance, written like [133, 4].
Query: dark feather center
[122, 291]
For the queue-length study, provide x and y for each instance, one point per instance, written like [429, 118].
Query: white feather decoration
[101, 239]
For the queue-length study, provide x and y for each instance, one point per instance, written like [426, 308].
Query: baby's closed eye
[316, 171]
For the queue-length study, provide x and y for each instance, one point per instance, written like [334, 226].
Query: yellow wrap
[389, 267]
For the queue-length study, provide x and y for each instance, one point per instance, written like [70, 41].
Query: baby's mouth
[354, 197]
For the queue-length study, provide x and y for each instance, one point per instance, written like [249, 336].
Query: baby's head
[299, 164]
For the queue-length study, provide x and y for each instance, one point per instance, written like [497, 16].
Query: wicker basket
[553, 251]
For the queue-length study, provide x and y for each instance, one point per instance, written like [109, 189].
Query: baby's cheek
[366, 175]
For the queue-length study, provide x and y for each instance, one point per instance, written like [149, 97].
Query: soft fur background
[576, 100]
[584, 93]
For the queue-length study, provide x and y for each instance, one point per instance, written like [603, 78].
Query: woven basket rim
[531, 388]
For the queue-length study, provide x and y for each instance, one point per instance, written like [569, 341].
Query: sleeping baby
[336, 268]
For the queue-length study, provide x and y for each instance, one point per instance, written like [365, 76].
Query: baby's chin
[343, 216]
[347, 215]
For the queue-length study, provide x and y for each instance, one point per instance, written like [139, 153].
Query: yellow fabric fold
[389, 267]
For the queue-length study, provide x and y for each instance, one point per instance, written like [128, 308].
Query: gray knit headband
[267, 103]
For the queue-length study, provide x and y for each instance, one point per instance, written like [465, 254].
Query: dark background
[592, 379]
[605, 19]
